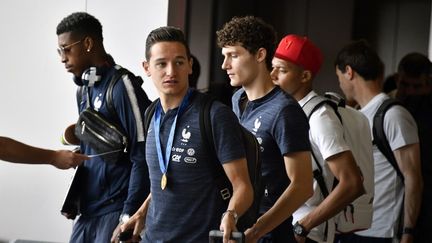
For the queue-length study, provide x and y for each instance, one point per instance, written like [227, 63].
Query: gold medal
[164, 181]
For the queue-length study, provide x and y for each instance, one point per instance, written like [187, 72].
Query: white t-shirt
[329, 137]
[401, 130]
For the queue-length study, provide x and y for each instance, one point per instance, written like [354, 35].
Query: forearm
[291, 199]
[412, 200]
[139, 184]
[343, 194]
[343, 166]
[241, 199]
[14, 151]
[299, 170]
[408, 159]
[142, 211]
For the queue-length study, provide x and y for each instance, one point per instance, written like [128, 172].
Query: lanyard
[164, 162]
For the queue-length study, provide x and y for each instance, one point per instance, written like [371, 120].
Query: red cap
[300, 51]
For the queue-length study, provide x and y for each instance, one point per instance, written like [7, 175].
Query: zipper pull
[266, 192]
[125, 144]
[83, 127]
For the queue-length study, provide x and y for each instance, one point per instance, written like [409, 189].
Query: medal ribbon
[164, 162]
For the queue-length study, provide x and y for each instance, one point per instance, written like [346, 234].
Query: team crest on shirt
[97, 102]
[186, 135]
[257, 124]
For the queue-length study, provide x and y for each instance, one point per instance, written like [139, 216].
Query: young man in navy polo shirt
[184, 203]
[277, 121]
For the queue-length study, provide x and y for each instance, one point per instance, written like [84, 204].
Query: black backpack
[379, 137]
[224, 186]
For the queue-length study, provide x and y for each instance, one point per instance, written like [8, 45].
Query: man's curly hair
[250, 32]
[82, 24]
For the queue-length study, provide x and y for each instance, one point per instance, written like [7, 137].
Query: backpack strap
[80, 94]
[379, 136]
[316, 102]
[309, 108]
[220, 177]
[148, 116]
[118, 74]
[336, 98]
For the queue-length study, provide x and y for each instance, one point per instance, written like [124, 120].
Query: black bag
[104, 136]
[223, 184]
[101, 135]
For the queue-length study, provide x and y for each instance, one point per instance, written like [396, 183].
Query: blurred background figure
[414, 90]
[389, 85]
[196, 71]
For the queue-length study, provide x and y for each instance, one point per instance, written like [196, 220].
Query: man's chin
[234, 83]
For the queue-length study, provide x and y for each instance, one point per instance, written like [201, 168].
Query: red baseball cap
[300, 51]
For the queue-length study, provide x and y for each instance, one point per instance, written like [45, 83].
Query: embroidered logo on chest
[97, 102]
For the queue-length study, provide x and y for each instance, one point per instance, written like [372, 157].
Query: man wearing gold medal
[184, 204]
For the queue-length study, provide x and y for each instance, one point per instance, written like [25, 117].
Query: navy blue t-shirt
[281, 127]
[190, 205]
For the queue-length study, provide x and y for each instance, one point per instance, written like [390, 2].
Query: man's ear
[145, 65]
[306, 76]
[349, 72]
[261, 55]
[88, 43]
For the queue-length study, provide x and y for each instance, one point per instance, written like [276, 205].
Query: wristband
[124, 218]
[232, 213]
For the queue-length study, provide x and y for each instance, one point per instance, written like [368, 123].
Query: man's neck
[368, 90]
[258, 88]
[301, 93]
[169, 102]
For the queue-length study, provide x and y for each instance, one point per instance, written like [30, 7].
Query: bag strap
[309, 108]
[316, 102]
[379, 136]
[148, 115]
[79, 94]
[118, 74]
[207, 139]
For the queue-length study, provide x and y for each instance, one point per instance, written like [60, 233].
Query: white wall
[37, 99]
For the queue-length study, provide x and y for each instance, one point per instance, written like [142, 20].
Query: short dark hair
[82, 24]
[166, 33]
[415, 65]
[250, 32]
[362, 59]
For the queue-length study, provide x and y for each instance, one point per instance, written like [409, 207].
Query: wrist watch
[300, 230]
[408, 231]
[124, 217]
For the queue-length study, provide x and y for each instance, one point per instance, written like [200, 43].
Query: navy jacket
[109, 187]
